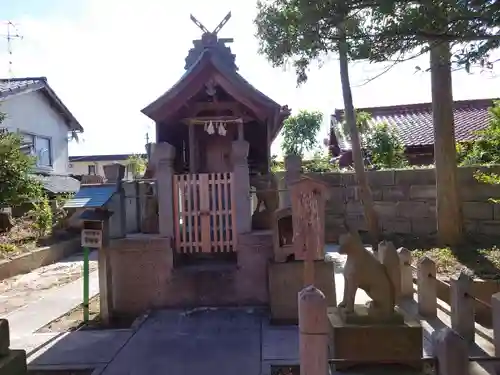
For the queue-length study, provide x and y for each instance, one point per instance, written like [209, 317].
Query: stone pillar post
[427, 288]
[162, 157]
[293, 164]
[241, 187]
[406, 273]
[313, 332]
[451, 352]
[115, 173]
[462, 306]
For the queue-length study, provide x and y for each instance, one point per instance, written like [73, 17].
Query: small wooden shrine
[217, 122]
[213, 105]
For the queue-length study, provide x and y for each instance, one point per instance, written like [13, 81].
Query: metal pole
[85, 285]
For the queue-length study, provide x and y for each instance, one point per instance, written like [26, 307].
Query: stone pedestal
[361, 339]
[286, 280]
[14, 363]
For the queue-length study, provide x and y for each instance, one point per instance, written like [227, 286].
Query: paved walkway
[32, 300]
[223, 341]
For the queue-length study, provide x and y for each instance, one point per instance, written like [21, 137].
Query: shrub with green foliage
[42, 214]
[486, 148]
[17, 185]
[136, 164]
[384, 146]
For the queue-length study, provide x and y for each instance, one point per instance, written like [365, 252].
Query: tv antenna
[213, 34]
[12, 33]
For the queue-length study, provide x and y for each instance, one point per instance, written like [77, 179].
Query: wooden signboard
[308, 198]
[92, 238]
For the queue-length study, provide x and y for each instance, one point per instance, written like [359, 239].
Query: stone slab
[286, 281]
[361, 316]
[35, 342]
[82, 348]
[14, 363]
[280, 342]
[211, 341]
[399, 344]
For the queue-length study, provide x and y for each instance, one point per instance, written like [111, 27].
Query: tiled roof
[58, 183]
[91, 196]
[87, 158]
[13, 86]
[414, 121]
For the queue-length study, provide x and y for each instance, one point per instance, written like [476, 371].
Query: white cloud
[119, 56]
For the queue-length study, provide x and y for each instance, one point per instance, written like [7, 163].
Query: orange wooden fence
[204, 213]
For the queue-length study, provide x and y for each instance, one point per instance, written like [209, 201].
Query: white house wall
[82, 167]
[32, 113]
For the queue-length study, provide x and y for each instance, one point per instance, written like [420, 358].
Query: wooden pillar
[313, 332]
[451, 352]
[192, 148]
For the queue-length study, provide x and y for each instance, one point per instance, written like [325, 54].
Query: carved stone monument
[377, 331]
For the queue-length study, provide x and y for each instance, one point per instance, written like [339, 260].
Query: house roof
[94, 196]
[16, 86]
[92, 158]
[414, 121]
[210, 59]
[57, 184]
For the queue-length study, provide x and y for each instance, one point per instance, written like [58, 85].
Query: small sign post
[91, 238]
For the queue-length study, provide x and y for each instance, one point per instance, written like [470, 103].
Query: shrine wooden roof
[209, 65]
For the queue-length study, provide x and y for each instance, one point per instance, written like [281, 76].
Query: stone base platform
[362, 340]
[286, 280]
[14, 363]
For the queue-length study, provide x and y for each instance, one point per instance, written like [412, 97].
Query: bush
[42, 215]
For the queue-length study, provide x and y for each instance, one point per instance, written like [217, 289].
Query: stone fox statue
[377, 278]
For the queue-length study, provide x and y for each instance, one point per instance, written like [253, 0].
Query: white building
[34, 110]
[93, 164]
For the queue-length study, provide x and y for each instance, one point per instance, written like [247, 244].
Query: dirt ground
[73, 320]
[20, 290]
[479, 261]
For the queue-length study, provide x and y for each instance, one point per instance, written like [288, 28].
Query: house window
[92, 171]
[40, 147]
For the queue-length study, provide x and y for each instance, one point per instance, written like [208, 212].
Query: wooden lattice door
[203, 213]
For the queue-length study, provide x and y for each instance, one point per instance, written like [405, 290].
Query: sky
[108, 59]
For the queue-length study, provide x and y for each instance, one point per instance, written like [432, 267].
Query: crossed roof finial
[217, 29]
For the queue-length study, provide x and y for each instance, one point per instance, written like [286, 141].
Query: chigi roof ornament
[210, 40]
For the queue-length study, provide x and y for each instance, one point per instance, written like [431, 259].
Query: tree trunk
[448, 204]
[357, 156]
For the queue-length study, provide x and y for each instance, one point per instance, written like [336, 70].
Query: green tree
[17, 185]
[486, 148]
[300, 131]
[297, 32]
[294, 32]
[136, 164]
[384, 146]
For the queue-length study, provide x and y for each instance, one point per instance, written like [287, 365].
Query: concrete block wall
[406, 202]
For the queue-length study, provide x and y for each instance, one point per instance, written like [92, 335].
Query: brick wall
[406, 202]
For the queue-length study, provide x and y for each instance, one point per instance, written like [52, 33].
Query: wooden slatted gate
[204, 213]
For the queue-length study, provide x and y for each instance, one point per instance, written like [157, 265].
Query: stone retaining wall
[40, 257]
[406, 202]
